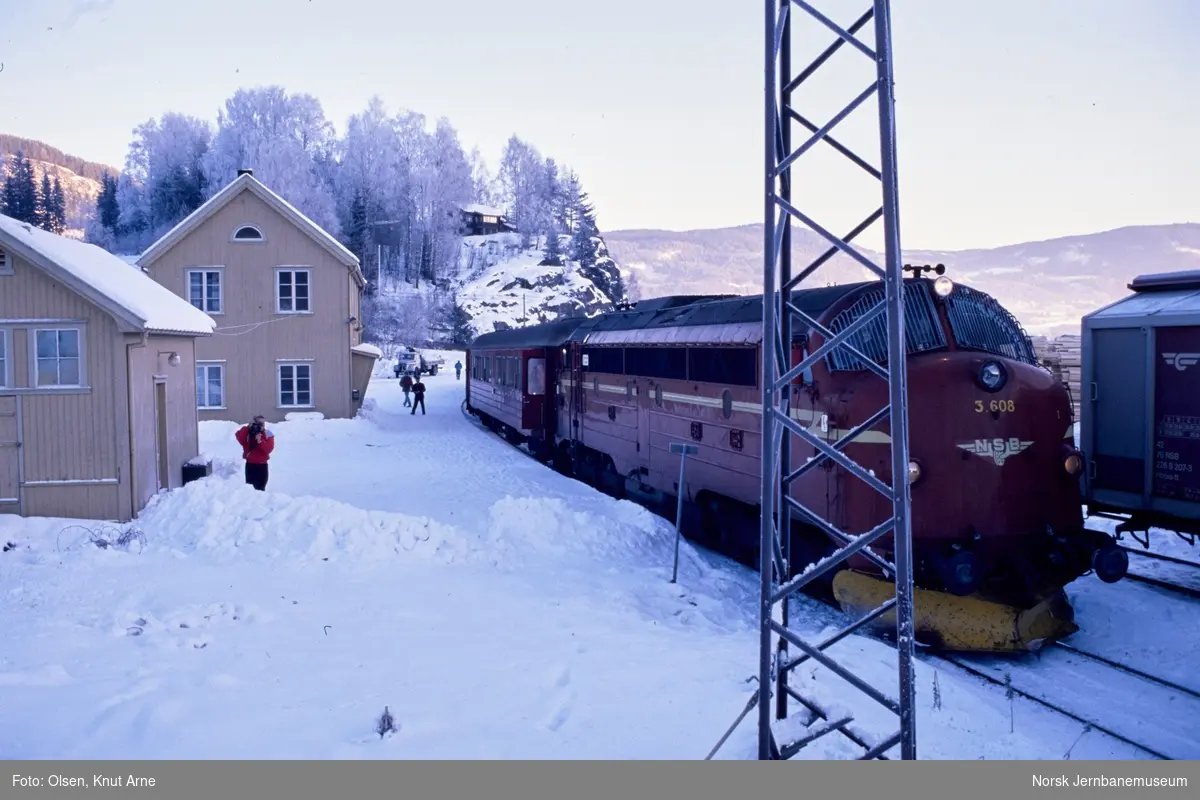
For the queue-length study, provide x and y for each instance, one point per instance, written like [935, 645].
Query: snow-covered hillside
[505, 286]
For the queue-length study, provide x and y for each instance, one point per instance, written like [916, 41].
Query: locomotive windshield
[978, 322]
[922, 331]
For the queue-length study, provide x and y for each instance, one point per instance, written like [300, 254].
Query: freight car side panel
[1118, 404]
[1177, 413]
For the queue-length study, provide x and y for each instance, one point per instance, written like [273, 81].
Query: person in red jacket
[257, 443]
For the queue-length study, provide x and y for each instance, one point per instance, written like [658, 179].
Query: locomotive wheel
[612, 482]
[562, 462]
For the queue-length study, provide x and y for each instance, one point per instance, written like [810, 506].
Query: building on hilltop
[479, 220]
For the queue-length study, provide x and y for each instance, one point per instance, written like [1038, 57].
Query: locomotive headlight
[914, 472]
[943, 286]
[1072, 461]
[992, 376]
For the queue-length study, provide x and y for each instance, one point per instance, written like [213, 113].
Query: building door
[10, 455]
[160, 438]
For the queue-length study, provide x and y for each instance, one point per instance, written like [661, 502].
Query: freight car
[997, 514]
[1140, 410]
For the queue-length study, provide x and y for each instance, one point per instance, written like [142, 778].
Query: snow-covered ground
[496, 608]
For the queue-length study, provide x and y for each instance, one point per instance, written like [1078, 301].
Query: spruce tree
[461, 329]
[585, 228]
[552, 254]
[20, 191]
[45, 204]
[107, 207]
[10, 199]
[58, 205]
[357, 230]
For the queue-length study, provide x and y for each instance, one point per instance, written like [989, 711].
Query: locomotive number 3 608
[995, 405]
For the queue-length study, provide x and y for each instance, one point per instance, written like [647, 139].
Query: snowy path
[497, 608]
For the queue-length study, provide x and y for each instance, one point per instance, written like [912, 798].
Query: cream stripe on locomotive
[798, 414]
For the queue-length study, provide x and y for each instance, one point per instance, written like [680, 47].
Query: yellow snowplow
[944, 621]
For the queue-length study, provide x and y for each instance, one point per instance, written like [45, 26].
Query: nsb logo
[1181, 361]
[998, 450]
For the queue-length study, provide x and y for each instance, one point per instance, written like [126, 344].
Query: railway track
[1185, 569]
[1100, 693]
[1136, 689]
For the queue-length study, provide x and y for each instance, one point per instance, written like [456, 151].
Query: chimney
[242, 172]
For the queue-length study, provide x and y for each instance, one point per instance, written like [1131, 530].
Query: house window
[6, 267]
[3, 358]
[204, 289]
[57, 356]
[295, 385]
[292, 295]
[210, 385]
[248, 233]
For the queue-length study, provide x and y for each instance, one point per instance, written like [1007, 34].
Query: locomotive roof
[741, 311]
[544, 334]
[732, 318]
[1175, 294]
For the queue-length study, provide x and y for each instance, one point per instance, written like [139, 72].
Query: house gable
[100, 278]
[244, 231]
[261, 343]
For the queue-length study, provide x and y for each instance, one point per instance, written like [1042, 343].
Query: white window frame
[262, 237]
[294, 365]
[292, 270]
[203, 271]
[34, 376]
[207, 365]
[5, 358]
[6, 265]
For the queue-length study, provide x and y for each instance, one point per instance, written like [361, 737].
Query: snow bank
[109, 276]
[224, 518]
[550, 526]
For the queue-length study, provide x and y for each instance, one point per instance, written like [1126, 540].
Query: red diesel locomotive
[997, 519]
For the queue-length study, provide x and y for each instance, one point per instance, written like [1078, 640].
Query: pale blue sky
[1019, 120]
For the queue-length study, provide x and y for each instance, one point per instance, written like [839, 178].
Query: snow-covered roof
[243, 182]
[129, 294]
[476, 208]
[367, 350]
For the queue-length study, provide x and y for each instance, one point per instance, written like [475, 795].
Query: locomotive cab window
[922, 331]
[978, 322]
[536, 376]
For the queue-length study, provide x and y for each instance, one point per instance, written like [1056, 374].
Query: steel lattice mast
[778, 372]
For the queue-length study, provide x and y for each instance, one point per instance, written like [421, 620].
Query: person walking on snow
[257, 444]
[406, 383]
[418, 396]
[457, 370]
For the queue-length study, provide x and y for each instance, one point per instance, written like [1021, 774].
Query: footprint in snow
[564, 701]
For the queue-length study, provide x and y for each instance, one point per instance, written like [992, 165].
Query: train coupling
[944, 621]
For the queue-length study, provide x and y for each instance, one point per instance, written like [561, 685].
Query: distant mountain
[80, 178]
[1048, 285]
